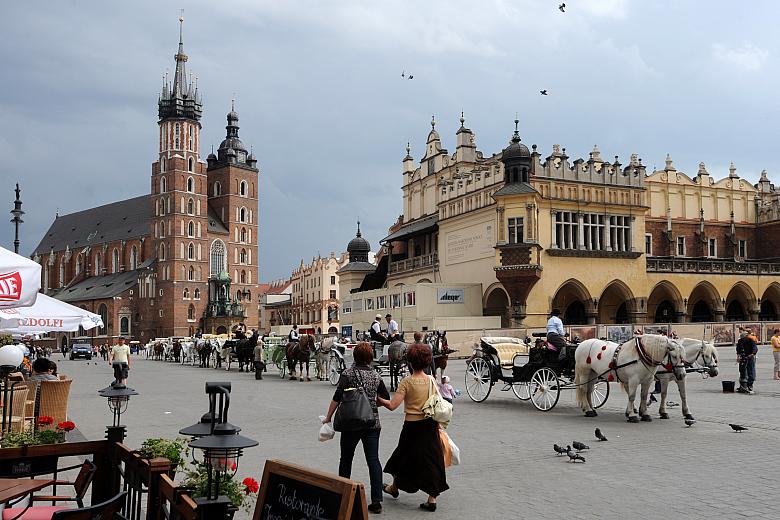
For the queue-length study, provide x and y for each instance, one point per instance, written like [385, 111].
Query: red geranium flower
[250, 485]
[66, 426]
[43, 420]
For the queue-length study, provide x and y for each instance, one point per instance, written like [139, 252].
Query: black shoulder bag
[354, 412]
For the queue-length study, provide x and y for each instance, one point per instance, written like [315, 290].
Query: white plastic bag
[326, 431]
[455, 452]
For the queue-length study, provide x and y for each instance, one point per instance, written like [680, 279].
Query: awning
[47, 315]
[413, 228]
[20, 280]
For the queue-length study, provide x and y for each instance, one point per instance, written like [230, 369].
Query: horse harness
[644, 357]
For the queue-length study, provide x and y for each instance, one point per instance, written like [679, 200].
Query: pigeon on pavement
[737, 428]
[580, 446]
[574, 457]
[559, 450]
[689, 422]
[600, 436]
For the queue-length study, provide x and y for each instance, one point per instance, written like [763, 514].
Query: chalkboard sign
[292, 492]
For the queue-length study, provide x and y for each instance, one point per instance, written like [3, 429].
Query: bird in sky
[543, 92]
[403, 74]
[580, 446]
[574, 457]
[600, 436]
[737, 428]
[689, 422]
[559, 450]
[562, 8]
[411, 77]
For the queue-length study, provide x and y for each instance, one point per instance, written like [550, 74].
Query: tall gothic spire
[181, 98]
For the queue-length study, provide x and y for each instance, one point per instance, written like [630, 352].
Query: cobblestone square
[656, 470]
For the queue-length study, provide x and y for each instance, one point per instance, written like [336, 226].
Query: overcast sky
[319, 92]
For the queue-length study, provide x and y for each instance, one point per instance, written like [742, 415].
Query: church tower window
[190, 207]
[242, 190]
[217, 260]
[190, 167]
[190, 180]
[217, 189]
[176, 136]
[115, 261]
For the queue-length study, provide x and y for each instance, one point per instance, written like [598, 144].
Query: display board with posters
[619, 333]
[769, 330]
[723, 333]
[656, 328]
[702, 331]
[582, 332]
[754, 327]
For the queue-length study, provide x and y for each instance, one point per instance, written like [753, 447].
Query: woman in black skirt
[417, 464]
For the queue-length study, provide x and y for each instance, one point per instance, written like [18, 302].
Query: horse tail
[581, 373]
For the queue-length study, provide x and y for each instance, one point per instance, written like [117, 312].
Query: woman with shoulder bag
[362, 379]
[418, 461]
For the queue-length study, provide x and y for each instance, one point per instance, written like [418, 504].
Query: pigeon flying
[562, 8]
[543, 92]
[580, 446]
[737, 427]
[600, 436]
[689, 422]
[574, 457]
[559, 450]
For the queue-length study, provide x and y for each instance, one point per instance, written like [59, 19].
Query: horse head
[709, 357]
[676, 358]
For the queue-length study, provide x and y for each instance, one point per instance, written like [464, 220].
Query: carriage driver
[376, 329]
[293, 337]
[392, 329]
[555, 332]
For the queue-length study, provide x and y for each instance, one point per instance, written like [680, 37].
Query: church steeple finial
[358, 229]
[183, 99]
[433, 122]
[516, 135]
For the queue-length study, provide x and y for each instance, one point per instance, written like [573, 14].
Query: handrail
[175, 504]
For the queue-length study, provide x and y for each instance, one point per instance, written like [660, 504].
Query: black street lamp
[118, 398]
[222, 448]
[17, 213]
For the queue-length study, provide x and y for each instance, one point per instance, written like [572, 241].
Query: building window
[680, 246]
[162, 251]
[191, 251]
[243, 276]
[242, 189]
[333, 280]
[197, 294]
[369, 304]
[124, 325]
[103, 312]
[395, 301]
[217, 261]
[186, 295]
[191, 229]
[742, 249]
[217, 191]
[515, 230]
[191, 312]
[242, 256]
[98, 270]
[163, 185]
[115, 261]
[176, 136]
[79, 262]
[620, 233]
[242, 215]
[712, 248]
[566, 229]
[649, 245]
[190, 168]
[191, 139]
[333, 297]
[190, 180]
[410, 299]
[62, 272]
[191, 274]
[190, 206]
[133, 258]
[160, 313]
[346, 307]
[593, 231]
[243, 235]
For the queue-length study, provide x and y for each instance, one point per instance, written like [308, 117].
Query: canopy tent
[20, 280]
[47, 315]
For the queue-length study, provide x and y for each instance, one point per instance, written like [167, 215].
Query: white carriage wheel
[545, 389]
[521, 390]
[600, 394]
[335, 364]
[478, 380]
[282, 368]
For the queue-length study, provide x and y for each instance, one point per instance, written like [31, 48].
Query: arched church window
[243, 234]
[163, 185]
[191, 140]
[191, 274]
[217, 191]
[177, 136]
[191, 251]
[242, 256]
[217, 257]
[242, 189]
[162, 252]
[98, 259]
[191, 229]
[133, 258]
[103, 312]
[243, 276]
[242, 215]
[191, 312]
[190, 206]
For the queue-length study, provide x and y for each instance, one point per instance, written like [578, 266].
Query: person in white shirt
[119, 359]
[376, 329]
[555, 332]
[293, 336]
[392, 328]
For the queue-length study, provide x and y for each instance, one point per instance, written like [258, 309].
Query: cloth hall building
[180, 258]
[493, 241]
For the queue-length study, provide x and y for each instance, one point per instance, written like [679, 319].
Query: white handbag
[436, 407]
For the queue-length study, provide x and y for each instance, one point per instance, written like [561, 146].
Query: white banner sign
[449, 295]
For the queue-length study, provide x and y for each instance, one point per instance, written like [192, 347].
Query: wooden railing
[416, 262]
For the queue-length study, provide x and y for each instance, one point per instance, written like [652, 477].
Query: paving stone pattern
[653, 470]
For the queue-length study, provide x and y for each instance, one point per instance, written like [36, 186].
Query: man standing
[119, 358]
[747, 348]
[392, 329]
[257, 354]
[376, 329]
[555, 332]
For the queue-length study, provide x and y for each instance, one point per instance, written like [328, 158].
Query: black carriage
[537, 373]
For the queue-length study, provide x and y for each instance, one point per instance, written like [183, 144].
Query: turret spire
[181, 99]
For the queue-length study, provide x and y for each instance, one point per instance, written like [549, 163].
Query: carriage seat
[507, 348]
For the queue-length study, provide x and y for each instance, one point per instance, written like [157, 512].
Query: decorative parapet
[595, 253]
[684, 265]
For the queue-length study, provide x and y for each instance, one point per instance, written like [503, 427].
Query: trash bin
[728, 387]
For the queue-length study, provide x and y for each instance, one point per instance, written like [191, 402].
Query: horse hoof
[300, 380]
[292, 379]
[689, 417]
[307, 379]
[663, 415]
[633, 419]
[591, 413]
[647, 418]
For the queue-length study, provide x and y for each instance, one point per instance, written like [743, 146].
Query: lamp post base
[216, 509]
[116, 433]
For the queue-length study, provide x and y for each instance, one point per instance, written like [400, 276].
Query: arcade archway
[770, 303]
[665, 304]
[574, 302]
[616, 303]
[497, 304]
[703, 302]
[739, 302]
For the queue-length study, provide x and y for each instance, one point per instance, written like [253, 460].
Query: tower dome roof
[516, 149]
[358, 248]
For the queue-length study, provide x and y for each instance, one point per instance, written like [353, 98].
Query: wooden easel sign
[292, 492]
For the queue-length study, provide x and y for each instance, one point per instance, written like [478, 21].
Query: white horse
[702, 357]
[633, 364]
[322, 358]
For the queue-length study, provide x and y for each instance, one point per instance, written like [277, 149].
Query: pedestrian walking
[418, 461]
[119, 359]
[257, 353]
[776, 353]
[362, 375]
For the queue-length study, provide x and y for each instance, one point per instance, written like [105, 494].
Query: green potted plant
[43, 435]
[175, 450]
[242, 495]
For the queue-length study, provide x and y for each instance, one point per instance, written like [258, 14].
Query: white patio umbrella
[47, 315]
[20, 280]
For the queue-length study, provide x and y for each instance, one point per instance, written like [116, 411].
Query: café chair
[18, 403]
[80, 486]
[54, 400]
[106, 510]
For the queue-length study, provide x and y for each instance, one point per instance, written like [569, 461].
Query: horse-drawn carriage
[536, 373]
[274, 348]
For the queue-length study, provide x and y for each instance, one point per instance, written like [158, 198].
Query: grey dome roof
[232, 142]
[358, 245]
[516, 149]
